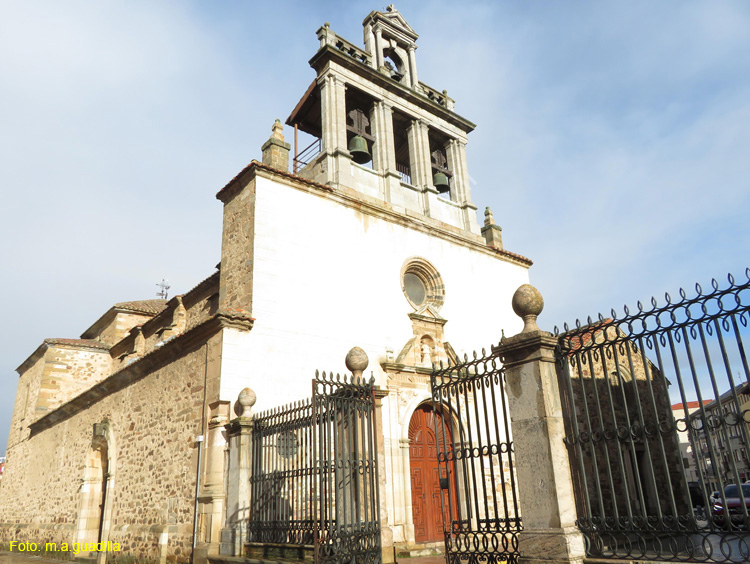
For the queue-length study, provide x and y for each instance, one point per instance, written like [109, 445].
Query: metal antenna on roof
[163, 288]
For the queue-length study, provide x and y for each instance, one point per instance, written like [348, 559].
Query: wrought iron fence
[349, 520]
[657, 406]
[314, 473]
[284, 475]
[475, 451]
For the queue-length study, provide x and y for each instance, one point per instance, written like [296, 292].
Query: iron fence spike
[698, 289]
[730, 278]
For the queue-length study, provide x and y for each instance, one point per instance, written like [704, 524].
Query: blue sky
[612, 142]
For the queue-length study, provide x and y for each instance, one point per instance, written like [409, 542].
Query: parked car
[733, 505]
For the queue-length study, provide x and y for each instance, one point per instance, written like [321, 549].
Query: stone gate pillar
[545, 486]
[239, 469]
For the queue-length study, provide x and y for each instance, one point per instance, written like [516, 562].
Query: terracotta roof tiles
[87, 343]
[150, 307]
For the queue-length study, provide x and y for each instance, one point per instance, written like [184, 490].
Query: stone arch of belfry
[97, 490]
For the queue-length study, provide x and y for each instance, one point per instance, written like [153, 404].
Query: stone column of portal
[419, 157]
[545, 486]
[460, 188]
[333, 126]
[413, 67]
[212, 493]
[239, 472]
[404, 446]
[370, 46]
[378, 55]
[385, 150]
[357, 361]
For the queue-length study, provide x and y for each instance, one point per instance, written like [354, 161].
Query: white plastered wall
[327, 277]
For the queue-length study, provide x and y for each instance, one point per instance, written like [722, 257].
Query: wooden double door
[426, 493]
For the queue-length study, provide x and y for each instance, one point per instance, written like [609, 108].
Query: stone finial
[492, 233]
[277, 130]
[275, 150]
[356, 361]
[489, 219]
[245, 402]
[528, 304]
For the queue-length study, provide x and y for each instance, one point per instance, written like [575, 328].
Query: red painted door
[425, 476]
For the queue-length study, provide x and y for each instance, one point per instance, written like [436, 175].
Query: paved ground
[16, 558]
[422, 560]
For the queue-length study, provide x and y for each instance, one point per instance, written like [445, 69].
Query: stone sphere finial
[356, 361]
[528, 304]
[245, 402]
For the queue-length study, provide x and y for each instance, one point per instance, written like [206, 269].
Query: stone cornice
[393, 368]
[328, 52]
[171, 351]
[376, 208]
[527, 347]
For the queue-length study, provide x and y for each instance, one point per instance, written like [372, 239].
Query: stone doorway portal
[427, 511]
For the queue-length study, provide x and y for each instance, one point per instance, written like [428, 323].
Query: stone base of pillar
[200, 554]
[551, 546]
[232, 540]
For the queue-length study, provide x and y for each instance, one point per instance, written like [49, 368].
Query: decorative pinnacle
[277, 131]
[246, 399]
[356, 361]
[489, 219]
[528, 304]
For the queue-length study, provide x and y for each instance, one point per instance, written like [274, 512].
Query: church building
[367, 238]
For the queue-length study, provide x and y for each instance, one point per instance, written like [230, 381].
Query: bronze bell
[358, 149]
[440, 181]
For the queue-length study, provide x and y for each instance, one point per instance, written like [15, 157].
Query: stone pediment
[391, 22]
[427, 312]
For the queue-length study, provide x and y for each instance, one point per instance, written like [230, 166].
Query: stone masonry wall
[25, 404]
[237, 252]
[68, 372]
[121, 326]
[153, 422]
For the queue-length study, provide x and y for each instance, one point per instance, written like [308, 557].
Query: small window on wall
[422, 284]
[416, 292]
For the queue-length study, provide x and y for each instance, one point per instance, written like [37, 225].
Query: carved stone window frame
[430, 277]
